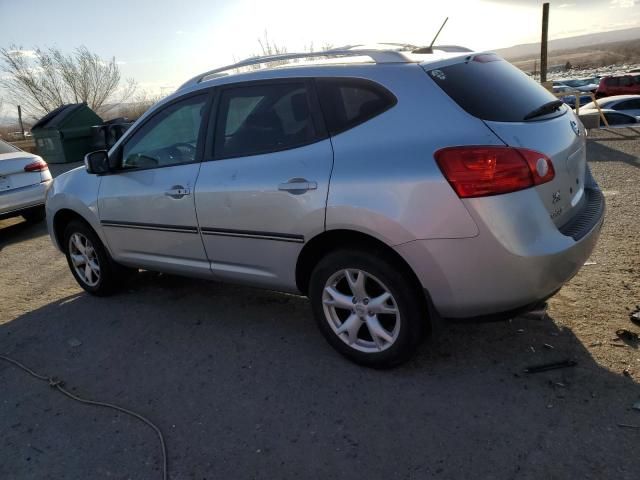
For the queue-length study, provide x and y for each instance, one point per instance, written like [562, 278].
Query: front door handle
[177, 191]
[297, 186]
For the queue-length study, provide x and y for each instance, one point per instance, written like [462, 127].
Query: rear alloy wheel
[367, 309]
[89, 262]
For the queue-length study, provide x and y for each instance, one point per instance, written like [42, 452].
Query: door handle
[177, 191]
[298, 185]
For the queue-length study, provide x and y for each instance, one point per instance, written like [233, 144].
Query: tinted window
[625, 81]
[619, 119]
[628, 105]
[7, 148]
[490, 88]
[612, 82]
[348, 102]
[170, 137]
[263, 118]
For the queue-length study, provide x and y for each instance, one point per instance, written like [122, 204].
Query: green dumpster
[64, 135]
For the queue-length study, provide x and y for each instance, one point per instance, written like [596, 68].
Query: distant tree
[568, 66]
[43, 79]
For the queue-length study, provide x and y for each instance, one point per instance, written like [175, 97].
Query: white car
[629, 104]
[24, 179]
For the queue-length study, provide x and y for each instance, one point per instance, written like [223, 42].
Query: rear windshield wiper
[548, 107]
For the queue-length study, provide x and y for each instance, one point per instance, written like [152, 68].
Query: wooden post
[543, 42]
[20, 119]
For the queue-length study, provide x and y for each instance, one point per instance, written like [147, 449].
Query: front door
[263, 184]
[146, 206]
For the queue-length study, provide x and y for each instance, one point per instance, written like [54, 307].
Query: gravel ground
[244, 387]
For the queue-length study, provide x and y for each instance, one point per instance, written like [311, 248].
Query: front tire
[89, 261]
[368, 308]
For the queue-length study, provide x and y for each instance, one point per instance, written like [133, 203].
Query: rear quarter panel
[385, 181]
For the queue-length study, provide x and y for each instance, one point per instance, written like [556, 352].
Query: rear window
[492, 89]
[7, 148]
[347, 102]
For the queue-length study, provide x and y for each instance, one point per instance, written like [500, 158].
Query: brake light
[479, 171]
[37, 166]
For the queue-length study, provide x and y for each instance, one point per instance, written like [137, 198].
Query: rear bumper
[17, 201]
[519, 258]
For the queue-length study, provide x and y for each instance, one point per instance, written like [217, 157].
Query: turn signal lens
[479, 171]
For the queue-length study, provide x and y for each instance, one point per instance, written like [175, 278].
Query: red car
[626, 84]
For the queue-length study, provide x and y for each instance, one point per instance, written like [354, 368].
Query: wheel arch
[330, 240]
[61, 219]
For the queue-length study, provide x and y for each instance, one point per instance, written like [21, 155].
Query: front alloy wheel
[89, 261]
[84, 259]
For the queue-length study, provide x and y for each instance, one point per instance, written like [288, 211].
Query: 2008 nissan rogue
[387, 185]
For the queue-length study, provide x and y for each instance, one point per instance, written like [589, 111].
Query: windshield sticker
[439, 74]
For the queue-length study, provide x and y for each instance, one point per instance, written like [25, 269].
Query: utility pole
[543, 43]
[20, 119]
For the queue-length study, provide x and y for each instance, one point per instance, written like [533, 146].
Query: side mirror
[97, 162]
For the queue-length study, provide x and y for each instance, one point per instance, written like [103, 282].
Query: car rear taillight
[37, 166]
[479, 171]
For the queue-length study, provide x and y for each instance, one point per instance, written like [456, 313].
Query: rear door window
[490, 88]
[263, 118]
[348, 102]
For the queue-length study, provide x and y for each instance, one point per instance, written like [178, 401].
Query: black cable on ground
[58, 385]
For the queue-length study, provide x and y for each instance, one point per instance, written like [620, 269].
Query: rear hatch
[522, 114]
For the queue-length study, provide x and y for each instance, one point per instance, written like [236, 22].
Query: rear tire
[368, 308]
[89, 261]
[35, 215]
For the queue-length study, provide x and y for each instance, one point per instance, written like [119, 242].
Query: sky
[162, 43]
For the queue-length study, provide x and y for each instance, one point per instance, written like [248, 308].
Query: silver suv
[390, 187]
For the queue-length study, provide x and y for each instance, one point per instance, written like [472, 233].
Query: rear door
[506, 99]
[262, 188]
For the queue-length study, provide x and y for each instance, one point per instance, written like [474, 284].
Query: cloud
[24, 53]
[622, 3]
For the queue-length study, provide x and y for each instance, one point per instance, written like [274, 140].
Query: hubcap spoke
[377, 331]
[379, 304]
[356, 279]
[351, 326]
[338, 300]
[77, 242]
[77, 260]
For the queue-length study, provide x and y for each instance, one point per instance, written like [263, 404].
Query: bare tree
[43, 79]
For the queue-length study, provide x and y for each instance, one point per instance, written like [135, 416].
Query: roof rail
[377, 56]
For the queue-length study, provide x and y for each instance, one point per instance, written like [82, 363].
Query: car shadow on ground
[243, 386]
[600, 152]
[18, 230]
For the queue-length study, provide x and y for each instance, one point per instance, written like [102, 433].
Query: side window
[263, 118]
[625, 81]
[612, 81]
[619, 119]
[170, 137]
[347, 102]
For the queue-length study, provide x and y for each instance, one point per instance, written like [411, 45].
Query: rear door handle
[177, 191]
[298, 185]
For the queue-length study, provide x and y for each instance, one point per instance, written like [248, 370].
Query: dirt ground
[244, 387]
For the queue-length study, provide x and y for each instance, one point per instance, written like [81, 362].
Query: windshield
[490, 88]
